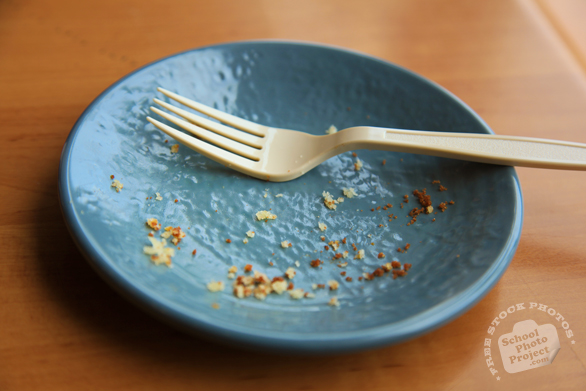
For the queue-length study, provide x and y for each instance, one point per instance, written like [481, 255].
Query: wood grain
[63, 328]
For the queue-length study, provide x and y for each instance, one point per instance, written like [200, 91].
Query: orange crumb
[315, 263]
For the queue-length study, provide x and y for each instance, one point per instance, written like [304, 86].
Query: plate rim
[290, 342]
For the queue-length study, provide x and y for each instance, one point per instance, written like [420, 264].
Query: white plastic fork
[280, 155]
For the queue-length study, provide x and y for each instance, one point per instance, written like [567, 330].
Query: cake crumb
[175, 148]
[154, 224]
[286, 244]
[349, 192]
[216, 286]
[329, 201]
[297, 294]
[335, 244]
[160, 254]
[322, 226]
[176, 232]
[315, 263]
[334, 302]
[117, 185]
[331, 130]
[290, 273]
[265, 215]
[359, 255]
[279, 286]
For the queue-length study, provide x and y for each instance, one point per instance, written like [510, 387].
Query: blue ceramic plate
[455, 259]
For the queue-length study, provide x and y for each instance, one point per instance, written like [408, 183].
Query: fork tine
[226, 131]
[211, 137]
[239, 123]
[211, 151]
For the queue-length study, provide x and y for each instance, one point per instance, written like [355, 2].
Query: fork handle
[484, 148]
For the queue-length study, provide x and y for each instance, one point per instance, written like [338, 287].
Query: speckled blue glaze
[456, 260]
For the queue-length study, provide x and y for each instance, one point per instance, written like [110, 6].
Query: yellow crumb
[216, 286]
[160, 254]
[290, 273]
[265, 215]
[334, 302]
[117, 185]
[349, 192]
[331, 130]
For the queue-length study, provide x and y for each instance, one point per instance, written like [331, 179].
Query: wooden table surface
[521, 65]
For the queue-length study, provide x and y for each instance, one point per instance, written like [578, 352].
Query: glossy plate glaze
[456, 259]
